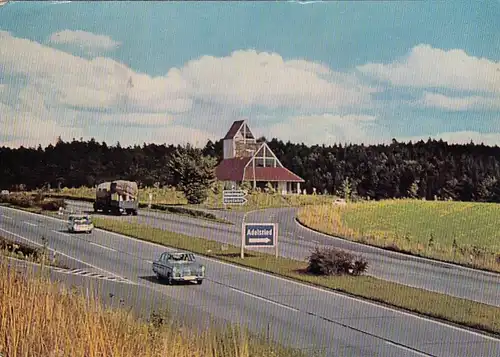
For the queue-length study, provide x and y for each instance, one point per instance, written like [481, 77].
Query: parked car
[80, 223]
[178, 266]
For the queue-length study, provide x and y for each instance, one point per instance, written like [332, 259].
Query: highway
[296, 242]
[296, 314]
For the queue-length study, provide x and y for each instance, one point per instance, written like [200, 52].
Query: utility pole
[253, 167]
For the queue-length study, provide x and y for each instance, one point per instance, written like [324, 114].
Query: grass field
[38, 317]
[448, 308]
[461, 232]
[256, 200]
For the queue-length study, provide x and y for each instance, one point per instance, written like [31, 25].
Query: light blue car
[178, 266]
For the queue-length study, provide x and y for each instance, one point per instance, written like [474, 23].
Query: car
[80, 223]
[178, 267]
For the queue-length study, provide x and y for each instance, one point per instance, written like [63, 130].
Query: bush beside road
[465, 233]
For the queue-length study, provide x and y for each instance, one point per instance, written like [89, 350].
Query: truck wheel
[134, 213]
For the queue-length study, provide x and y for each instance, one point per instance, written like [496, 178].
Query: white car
[80, 223]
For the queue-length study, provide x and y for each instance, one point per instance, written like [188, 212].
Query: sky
[313, 73]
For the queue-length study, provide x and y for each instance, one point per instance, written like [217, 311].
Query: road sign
[234, 197]
[259, 235]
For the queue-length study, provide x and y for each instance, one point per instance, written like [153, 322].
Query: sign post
[234, 197]
[259, 235]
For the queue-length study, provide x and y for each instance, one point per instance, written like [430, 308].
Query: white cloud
[327, 128]
[61, 94]
[100, 83]
[426, 66]
[459, 137]
[30, 123]
[250, 78]
[435, 100]
[85, 40]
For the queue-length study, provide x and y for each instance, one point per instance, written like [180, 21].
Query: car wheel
[170, 281]
[199, 281]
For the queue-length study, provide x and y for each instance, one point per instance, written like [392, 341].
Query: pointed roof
[234, 129]
[240, 126]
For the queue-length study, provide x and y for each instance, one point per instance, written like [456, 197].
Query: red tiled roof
[231, 169]
[271, 174]
[234, 129]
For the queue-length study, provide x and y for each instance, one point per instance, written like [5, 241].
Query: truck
[117, 197]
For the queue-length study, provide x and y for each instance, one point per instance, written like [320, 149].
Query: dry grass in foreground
[465, 233]
[41, 318]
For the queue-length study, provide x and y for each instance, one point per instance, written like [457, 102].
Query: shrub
[18, 199]
[53, 204]
[333, 261]
[360, 266]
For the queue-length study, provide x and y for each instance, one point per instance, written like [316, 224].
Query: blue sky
[318, 73]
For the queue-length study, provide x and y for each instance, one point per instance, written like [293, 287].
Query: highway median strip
[440, 306]
[173, 209]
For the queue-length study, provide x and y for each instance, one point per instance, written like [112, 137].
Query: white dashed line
[408, 349]
[30, 224]
[103, 247]
[59, 232]
[263, 299]
[7, 217]
[64, 255]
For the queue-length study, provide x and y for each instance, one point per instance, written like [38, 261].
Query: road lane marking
[30, 224]
[263, 299]
[103, 246]
[7, 217]
[419, 353]
[303, 285]
[65, 255]
[59, 232]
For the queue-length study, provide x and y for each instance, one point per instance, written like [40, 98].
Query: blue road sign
[260, 234]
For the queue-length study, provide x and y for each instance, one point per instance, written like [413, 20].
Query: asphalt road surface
[296, 242]
[295, 314]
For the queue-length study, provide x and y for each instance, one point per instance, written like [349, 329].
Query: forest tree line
[425, 169]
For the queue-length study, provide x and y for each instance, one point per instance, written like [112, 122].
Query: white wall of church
[228, 151]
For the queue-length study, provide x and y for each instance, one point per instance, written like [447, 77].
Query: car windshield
[181, 257]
